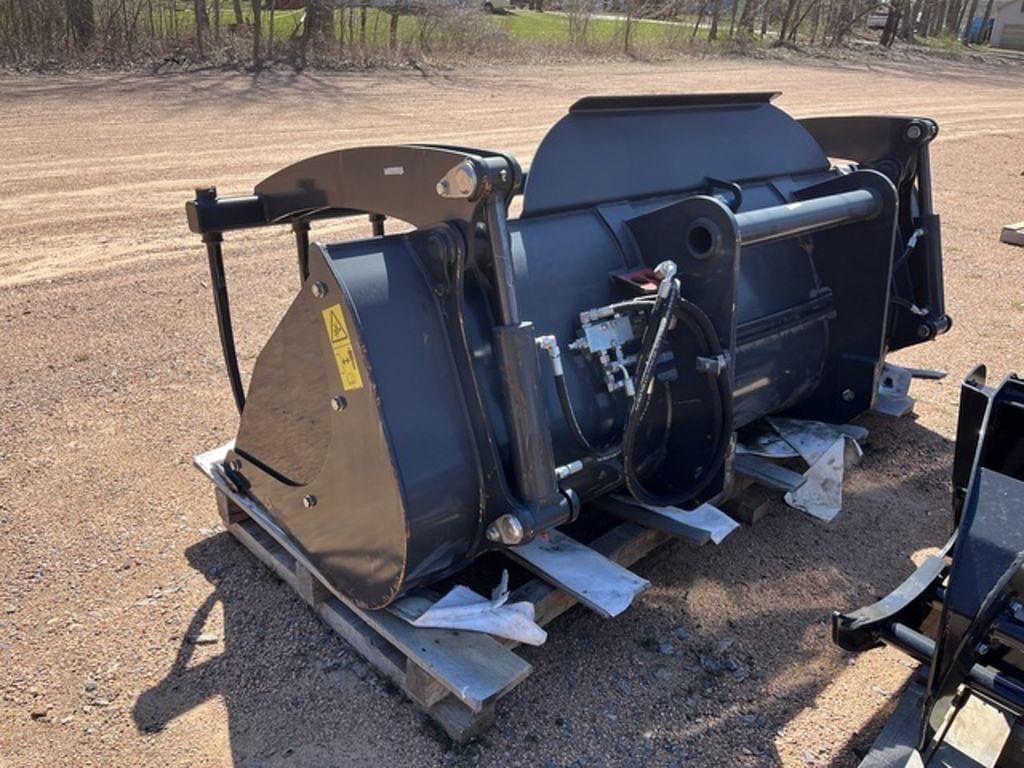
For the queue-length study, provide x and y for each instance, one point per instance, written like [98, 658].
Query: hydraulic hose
[570, 416]
[661, 312]
[721, 399]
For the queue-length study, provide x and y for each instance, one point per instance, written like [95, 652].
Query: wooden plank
[309, 587]
[421, 686]
[476, 668]
[230, 513]
[751, 505]
[601, 584]
[458, 721]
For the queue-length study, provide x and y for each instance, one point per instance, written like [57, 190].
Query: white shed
[1008, 26]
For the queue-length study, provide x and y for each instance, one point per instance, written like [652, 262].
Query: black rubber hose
[721, 400]
[569, 413]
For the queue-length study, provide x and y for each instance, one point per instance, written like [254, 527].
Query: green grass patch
[553, 28]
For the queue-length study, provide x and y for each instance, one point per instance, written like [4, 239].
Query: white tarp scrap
[464, 609]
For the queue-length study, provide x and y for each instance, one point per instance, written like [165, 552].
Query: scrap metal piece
[821, 496]
[767, 473]
[699, 526]
[811, 439]
[892, 398]
[767, 444]
[602, 585]
[1013, 234]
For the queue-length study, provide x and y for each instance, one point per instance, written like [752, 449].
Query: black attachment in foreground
[960, 613]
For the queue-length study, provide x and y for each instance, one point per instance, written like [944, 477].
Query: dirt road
[111, 564]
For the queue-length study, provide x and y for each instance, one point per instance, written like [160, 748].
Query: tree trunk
[393, 32]
[716, 12]
[362, 25]
[910, 20]
[257, 35]
[270, 32]
[700, 18]
[629, 27]
[82, 19]
[239, 13]
[788, 20]
[732, 18]
[747, 18]
[202, 24]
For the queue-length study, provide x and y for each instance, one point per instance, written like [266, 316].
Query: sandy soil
[110, 380]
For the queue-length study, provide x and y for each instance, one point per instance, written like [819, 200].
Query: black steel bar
[208, 213]
[937, 322]
[219, 285]
[377, 223]
[301, 229]
[784, 221]
[924, 180]
[983, 680]
[501, 253]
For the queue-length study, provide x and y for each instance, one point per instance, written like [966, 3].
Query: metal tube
[501, 253]
[301, 229]
[984, 680]
[223, 310]
[783, 221]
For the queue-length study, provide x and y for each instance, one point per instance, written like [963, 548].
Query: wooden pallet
[454, 677]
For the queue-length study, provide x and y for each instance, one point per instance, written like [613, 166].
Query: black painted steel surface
[381, 429]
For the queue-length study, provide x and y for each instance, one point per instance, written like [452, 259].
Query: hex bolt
[339, 403]
[848, 395]
[914, 131]
[235, 465]
[319, 289]
[507, 530]
[923, 331]
[309, 501]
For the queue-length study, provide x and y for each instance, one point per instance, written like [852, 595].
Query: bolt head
[339, 403]
[506, 530]
[309, 501]
[235, 465]
[914, 131]
[319, 289]
[923, 331]
[849, 395]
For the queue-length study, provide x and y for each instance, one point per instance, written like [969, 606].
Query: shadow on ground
[296, 695]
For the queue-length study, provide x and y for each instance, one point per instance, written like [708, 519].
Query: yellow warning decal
[341, 343]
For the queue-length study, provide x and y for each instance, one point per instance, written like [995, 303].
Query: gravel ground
[133, 631]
